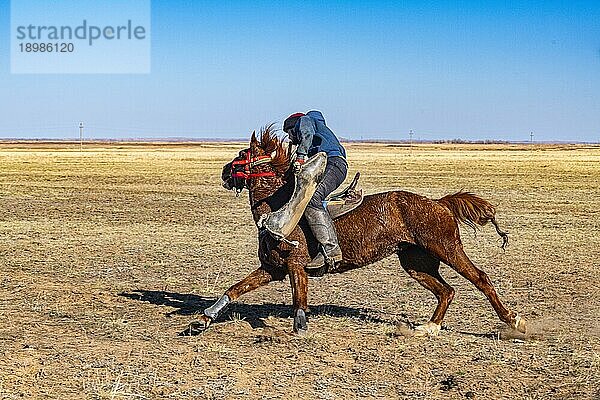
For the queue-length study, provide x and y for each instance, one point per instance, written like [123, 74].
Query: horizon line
[184, 140]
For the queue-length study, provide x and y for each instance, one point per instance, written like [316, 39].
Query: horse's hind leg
[424, 268]
[460, 262]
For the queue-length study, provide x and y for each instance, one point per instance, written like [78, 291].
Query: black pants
[335, 174]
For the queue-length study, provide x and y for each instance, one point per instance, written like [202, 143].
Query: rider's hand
[297, 165]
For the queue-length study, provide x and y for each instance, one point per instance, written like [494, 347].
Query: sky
[474, 70]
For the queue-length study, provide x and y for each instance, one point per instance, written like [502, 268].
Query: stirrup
[322, 261]
[328, 261]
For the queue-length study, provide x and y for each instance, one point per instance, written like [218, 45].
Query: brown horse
[421, 231]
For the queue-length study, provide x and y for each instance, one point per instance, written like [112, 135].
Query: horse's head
[264, 158]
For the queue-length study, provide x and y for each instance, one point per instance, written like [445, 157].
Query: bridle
[242, 169]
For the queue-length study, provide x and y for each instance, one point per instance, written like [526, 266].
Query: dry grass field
[107, 254]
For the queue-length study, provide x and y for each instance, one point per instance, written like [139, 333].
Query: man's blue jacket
[312, 136]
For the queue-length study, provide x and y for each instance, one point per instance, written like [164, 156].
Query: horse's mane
[270, 142]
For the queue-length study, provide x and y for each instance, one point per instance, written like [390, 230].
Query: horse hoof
[300, 324]
[519, 324]
[196, 327]
[428, 329]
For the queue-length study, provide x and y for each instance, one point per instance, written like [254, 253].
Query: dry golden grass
[106, 255]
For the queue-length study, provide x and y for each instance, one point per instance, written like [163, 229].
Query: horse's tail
[473, 210]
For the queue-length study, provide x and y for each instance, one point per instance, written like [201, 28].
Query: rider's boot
[321, 224]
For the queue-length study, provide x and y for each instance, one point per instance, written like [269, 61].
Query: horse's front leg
[259, 277]
[299, 283]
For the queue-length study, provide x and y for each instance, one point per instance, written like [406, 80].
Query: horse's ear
[254, 144]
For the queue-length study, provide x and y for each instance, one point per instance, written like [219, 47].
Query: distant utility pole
[531, 137]
[80, 136]
[411, 133]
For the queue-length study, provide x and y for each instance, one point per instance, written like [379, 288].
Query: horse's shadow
[190, 304]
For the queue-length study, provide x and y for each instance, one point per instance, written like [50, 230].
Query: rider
[311, 135]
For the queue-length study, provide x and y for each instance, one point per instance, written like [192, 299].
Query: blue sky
[470, 70]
